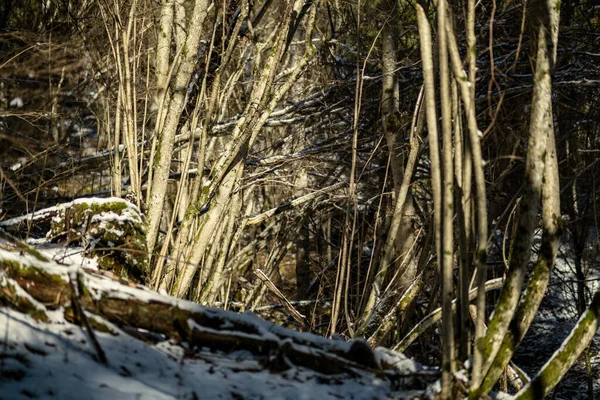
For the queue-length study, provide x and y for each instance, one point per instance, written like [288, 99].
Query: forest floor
[133, 343]
[56, 361]
[120, 350]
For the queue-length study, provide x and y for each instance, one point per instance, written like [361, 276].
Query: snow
[57, 359]
[17, 102]
[125, 216]
[66, 255]
[130, 213]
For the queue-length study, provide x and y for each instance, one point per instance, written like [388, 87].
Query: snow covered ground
[56, 361]
[59, 359]
[53, 358]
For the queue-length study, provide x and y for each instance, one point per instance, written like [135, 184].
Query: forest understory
[404, 190]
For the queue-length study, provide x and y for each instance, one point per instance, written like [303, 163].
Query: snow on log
[38, 287]
[111, 229]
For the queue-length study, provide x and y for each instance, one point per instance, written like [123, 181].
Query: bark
[545, 28]
[466, 85]
[538, 282]
[390, 95]
[211, 255]
[180, 24]
[553, 371]
[163, 52]
[463, 202]
[431, 117]
[166, 134]
[216, 279]
[116, 181]
[447, 243]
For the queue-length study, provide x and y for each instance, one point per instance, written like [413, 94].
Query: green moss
[21, 304]
[29, 272]
[38, 315]
[99, 326]
[562, 359]
[31, 251]
[119, 244]
[206, 189]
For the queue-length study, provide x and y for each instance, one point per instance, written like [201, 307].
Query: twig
[301, 319]
[292, 204]
[80, 314]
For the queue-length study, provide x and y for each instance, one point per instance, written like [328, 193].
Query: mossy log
[34, 285]
[111, 229]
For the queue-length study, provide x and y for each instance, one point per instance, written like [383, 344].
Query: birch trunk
[447, 208]
[166, 134]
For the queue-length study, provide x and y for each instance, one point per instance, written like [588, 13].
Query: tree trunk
[168, 129]
[545, 16]
[554, 370]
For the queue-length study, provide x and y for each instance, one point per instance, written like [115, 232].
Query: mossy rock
[111, 229]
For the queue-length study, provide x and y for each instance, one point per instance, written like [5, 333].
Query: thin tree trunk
[555, 369]
[431, 116]
[116, 165]
[464, 224]
[545, 28]
[390, 95]
[447, 246]
[216, 279]
[167, 133]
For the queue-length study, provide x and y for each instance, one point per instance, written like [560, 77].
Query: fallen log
[34, 285]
